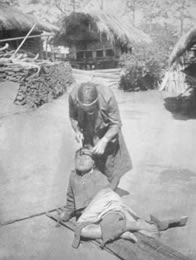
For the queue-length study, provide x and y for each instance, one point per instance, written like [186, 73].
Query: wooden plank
[96, 71]
[118, 70]
[107, 76]
[146, 248]
[82, 71]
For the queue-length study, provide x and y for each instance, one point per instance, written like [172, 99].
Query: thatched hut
[15, 24]
[184, 44]
[96, 39]
[180, 79]
[182, 61]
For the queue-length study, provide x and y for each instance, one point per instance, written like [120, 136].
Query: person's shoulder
[98, 173]
[105, 93]
[103, 89]
[100, 178]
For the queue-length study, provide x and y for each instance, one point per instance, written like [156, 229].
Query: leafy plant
[140, 70]
[145, 66]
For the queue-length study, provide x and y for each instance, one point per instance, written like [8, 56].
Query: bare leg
[132, 226]
[92, 231]
[129, 236]
[143, 227]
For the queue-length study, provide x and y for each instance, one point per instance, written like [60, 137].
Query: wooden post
[46, 48]
[94, 54]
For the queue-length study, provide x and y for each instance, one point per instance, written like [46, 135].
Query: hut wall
[118, 51]
[99, 45]
[100, 54]
[33, 45]
[94, 55]
[1, 34]
[72, 50]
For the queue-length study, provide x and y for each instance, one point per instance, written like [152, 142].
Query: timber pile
[14, 66]
[108, 77]
[51, 81]
[40, 80]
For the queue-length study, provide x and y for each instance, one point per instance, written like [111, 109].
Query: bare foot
[165, 224]
[129, 236]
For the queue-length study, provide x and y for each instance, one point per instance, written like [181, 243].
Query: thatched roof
[75, 27]
[184, 44]
[13, 19]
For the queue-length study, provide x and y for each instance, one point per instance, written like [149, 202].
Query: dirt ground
[36, 156]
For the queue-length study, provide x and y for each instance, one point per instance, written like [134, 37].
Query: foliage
[164, 21]
[178, 13]
[146, 65]
[141, 70]
[10, 2]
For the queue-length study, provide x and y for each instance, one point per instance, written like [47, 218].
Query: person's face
[83, 163]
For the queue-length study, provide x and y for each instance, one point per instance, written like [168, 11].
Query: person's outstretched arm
[70, 204]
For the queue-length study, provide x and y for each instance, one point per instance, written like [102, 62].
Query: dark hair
[87, 93]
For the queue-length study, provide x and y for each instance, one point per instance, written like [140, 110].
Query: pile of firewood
[14, 65]
[51, 81]
[40, 80]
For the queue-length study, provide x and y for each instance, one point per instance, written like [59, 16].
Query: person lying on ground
[105, 216]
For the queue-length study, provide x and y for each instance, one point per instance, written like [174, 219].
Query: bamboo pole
[23, 41]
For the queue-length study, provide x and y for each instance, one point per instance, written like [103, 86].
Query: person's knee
[92, 231]
[88, 229]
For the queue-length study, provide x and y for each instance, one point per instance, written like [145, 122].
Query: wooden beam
[22, 37]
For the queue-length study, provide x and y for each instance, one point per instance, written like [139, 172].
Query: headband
[87, 105]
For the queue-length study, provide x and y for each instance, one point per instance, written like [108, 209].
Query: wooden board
[107, 77]
[146, 248]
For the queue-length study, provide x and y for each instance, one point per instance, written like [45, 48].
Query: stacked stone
[38, 88]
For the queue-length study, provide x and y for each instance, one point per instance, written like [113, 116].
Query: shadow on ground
[181, 108]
